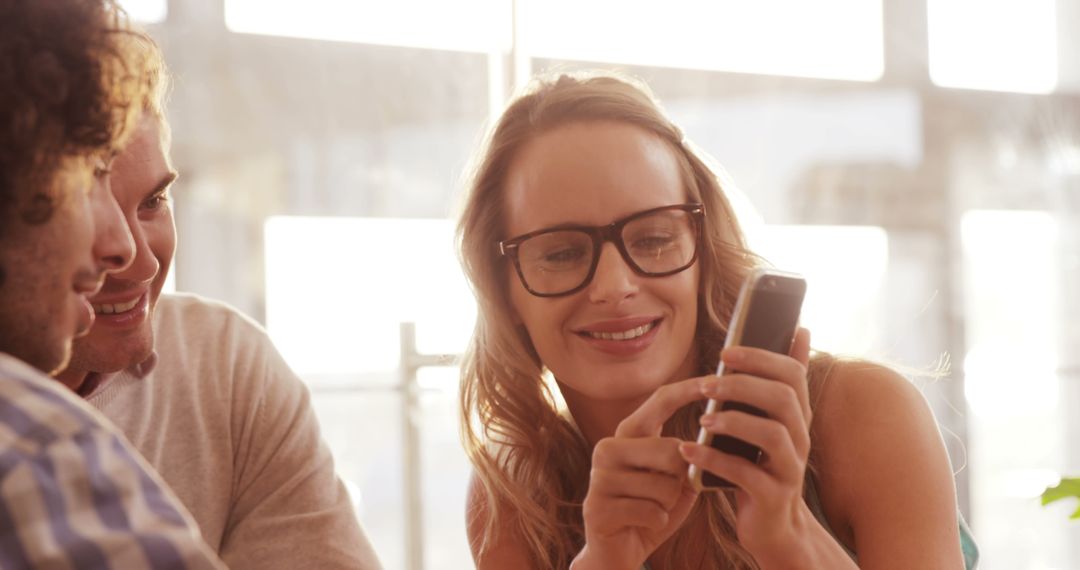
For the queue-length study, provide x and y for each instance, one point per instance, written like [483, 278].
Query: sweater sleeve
[290, 509]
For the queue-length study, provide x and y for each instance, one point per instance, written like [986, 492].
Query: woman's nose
[614, 280]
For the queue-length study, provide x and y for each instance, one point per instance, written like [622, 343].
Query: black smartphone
[766, 316]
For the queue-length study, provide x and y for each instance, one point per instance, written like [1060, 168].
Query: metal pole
[410, 461]
[411, 361]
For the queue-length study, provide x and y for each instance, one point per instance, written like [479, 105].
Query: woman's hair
[532, 462]
[70, 87]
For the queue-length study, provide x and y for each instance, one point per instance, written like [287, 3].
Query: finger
[661, 489]
[777, 399]
[740, 472]
[772, 366]
[608, 515]
[800, 346]
[649, 418]
[654, 454]
[780, 457]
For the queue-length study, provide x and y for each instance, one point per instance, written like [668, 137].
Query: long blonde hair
[532, 463]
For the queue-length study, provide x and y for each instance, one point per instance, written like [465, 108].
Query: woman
[602, 250]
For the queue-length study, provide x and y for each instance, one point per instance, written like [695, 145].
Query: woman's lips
[625, 338]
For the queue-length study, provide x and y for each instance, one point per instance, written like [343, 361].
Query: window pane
[350, 282]
[829, 38]
[363, 430]
[1017, 442]
[146, 11]
[1001, 45]
[463, 25]
[445, 472]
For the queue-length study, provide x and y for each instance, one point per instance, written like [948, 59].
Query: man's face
[52, 267]
[122, 334]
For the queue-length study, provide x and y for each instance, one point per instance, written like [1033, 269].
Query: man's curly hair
[71, 86]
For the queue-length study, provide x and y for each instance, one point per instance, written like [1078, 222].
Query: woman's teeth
[107, 309]
[623, 335]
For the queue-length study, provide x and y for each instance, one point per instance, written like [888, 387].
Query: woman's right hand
[639, 493]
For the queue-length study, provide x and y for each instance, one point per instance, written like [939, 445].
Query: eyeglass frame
[607, 233]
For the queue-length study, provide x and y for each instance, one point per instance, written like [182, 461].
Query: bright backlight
[1000, 45]
[839, 39]
[146, 11]
[1011, 367]
[337, 288]
[462, 25]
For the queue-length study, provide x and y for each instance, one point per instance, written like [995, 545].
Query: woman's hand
[639, 494]
[772, 519]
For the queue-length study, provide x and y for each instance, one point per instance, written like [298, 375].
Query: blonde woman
[603, 251]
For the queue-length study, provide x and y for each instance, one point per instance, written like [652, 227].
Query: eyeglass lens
[560, 260]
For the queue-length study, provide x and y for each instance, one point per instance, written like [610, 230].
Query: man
[73, 494]
[200, 390]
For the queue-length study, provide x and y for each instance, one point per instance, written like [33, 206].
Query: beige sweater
[231, 429]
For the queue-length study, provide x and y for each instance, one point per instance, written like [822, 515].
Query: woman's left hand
[772, 519]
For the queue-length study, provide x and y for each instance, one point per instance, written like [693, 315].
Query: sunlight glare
[337, 289]
[839, 39]
[462, 25]
[844, 267]
[146, 11]
[1000, 45]
[1010, 260]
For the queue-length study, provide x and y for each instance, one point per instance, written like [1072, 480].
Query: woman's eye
[563, 256]
[650, 243]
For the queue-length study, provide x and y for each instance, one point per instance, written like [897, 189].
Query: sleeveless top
[813, 500]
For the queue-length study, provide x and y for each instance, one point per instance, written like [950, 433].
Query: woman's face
[624, 334]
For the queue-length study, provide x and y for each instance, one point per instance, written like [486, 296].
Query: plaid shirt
[73, 493]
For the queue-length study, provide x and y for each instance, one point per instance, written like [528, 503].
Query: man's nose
[114, 248]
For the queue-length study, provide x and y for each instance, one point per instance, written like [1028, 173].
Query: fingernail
[687, 449]
[710, 387]
[732, 355]
[708, 420]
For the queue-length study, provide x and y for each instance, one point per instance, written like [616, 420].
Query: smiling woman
[603, 251]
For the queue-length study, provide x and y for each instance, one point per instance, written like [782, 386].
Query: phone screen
[773, 318]
[770, 320]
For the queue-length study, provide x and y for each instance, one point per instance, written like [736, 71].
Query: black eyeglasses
[562, 260]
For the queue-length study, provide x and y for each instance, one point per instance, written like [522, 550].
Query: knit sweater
[231, 429]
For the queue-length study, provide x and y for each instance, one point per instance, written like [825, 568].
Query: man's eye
[156, 201]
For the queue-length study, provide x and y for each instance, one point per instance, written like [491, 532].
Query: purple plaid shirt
[73, 493]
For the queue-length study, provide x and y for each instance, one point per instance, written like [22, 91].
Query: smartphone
[766, 316]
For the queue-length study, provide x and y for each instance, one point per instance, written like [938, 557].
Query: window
[146, 11]
[1017, 440]
[461, 25]
[838, 39]
[1001, 45]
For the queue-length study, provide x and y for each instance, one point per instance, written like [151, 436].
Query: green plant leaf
[1068, 487]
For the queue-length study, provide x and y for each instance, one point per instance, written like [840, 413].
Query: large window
[322, 147]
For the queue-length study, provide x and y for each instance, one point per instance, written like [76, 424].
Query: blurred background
[919, 160]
